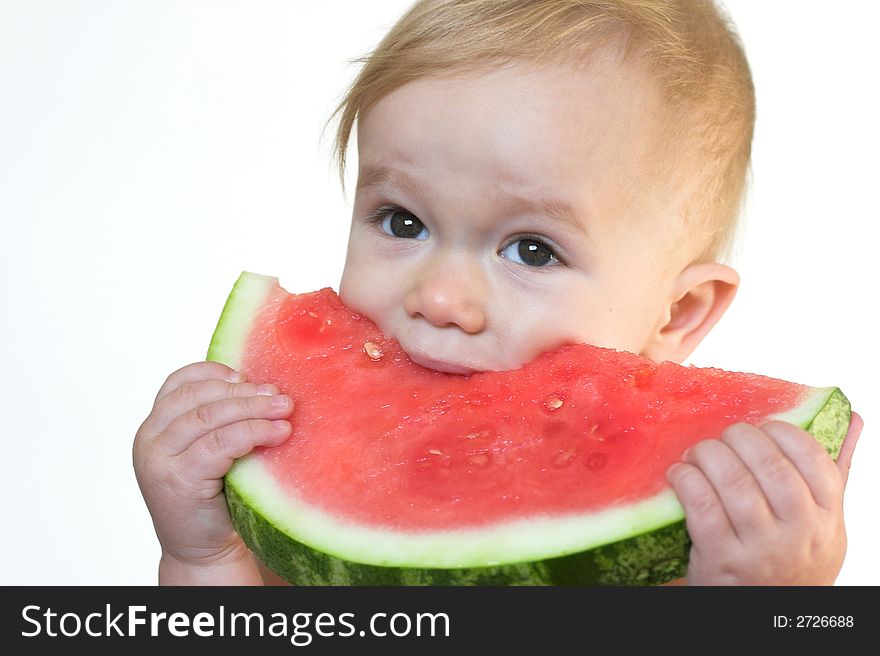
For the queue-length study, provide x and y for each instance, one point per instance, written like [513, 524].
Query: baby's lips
[443, 366]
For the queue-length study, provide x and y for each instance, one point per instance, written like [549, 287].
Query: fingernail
[265, 390]
[235, 377]
[684, 455]
[280, 401]
[281, 426]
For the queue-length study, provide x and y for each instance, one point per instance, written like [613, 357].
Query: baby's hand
[204, 417]
[764, 506]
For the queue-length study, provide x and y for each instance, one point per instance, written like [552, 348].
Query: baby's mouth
[444, 366]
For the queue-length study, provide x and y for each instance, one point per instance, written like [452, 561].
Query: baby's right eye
[400, 223]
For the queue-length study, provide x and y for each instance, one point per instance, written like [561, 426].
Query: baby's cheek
[616, 326]
[357, 290]
[359, 294]
[524, 346]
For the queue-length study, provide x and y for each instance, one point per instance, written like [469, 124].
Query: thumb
[844, 458]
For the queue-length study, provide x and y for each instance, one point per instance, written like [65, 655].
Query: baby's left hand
[764, 506]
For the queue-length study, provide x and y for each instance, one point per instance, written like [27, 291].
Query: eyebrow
[555, 209]
[370, 177]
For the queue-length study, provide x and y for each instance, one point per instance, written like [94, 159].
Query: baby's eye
[530, 252]
[402, 224]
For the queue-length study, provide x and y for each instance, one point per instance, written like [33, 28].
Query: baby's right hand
[204, 417]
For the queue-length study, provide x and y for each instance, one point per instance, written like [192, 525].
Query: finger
[192, 395]
[211, 456]
[198, 371]
[738, 491]
[707, 523]
[783, 486]
[812, 461]
[186, 429]
[844, 458]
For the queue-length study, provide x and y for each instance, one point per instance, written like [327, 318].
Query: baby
[533, 173]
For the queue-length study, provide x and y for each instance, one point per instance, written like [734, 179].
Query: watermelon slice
[550, 474]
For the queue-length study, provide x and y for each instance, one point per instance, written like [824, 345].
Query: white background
[150, 151]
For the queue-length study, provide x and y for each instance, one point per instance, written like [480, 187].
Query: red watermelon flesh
[382, 443]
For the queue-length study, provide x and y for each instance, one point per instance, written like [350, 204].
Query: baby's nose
[451, 295]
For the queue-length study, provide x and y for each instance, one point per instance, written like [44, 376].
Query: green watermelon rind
[825, 416]
[644, 544]
[653, 557]
[521, 540]
[246, 298]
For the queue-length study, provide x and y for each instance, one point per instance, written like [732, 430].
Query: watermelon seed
[313, 315]
[373, 350]
[479, 459]
[554, 403]
[436, 457]
[563, 458]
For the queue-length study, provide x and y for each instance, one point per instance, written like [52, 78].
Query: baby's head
[539, 172]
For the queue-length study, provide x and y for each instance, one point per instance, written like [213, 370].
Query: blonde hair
[689, 47]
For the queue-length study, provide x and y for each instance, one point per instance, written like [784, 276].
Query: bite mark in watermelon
[550, 474]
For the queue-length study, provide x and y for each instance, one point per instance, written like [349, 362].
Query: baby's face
[502, 214]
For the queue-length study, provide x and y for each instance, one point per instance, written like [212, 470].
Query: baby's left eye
[402, 224]
[530, 252]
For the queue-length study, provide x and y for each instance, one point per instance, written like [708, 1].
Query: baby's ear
[700, 297]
